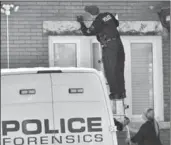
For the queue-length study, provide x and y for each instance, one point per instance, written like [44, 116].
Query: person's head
[149, 114]
[92, 10]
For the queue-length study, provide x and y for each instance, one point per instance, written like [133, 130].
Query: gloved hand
[126, 121]
[116, 17]
[80, 19]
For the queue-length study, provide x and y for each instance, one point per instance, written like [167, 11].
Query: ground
[165, 137]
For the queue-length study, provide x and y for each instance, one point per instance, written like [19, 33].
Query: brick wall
[29, 48]
[26, 41]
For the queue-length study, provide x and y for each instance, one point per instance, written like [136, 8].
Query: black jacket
[104, 24]
[146, 135]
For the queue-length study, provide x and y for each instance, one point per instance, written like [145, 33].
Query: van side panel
[13, 84]
[89, 82]
[26, 119]
[84, 114]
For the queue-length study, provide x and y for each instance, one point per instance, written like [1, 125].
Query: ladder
[124, 106]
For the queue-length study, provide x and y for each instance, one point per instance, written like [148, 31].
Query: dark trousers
[113, 57]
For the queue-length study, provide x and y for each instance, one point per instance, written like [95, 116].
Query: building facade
[42, 34]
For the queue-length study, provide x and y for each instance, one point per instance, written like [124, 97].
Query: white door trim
[157, 71]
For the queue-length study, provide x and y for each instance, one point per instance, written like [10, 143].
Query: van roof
[46, 70]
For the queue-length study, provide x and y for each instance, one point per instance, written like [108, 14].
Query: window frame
[157, 71]
[65, 40]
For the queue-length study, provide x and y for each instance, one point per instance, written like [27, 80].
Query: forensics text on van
[42, 132]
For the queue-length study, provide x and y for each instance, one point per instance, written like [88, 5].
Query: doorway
[143, 67]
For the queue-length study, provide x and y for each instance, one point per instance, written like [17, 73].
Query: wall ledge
[54, 28]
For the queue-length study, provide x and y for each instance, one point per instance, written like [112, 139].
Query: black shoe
[126, 121]
[123, 95]
[116, 96]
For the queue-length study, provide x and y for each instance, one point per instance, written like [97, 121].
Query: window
[142, 77]
[64, 51]
[65, 55]
[143, 74]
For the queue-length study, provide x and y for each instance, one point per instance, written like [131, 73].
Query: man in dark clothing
[146, 135]
[104, 27]
[149, 133]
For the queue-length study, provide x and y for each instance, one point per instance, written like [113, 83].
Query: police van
[52, 106]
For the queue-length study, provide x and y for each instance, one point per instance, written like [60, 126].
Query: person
[104, 26]
[148, 134]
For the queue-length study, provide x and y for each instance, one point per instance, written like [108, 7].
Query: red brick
[43, 3]
[76, 3]
[65, 3]
[53, 3]
[31, 50]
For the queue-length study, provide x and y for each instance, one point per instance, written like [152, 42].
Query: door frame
[127, 40]
[156, 42]
[157, 71]
[63, 39]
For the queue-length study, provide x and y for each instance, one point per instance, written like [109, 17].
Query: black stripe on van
[49, 71]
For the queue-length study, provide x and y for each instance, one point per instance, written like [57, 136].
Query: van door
[27, 117]
[80, 110]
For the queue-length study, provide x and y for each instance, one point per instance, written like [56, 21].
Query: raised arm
[115, 20]
[94, 29]
[87, 31]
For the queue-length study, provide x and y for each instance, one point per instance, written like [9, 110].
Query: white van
[52, 106]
